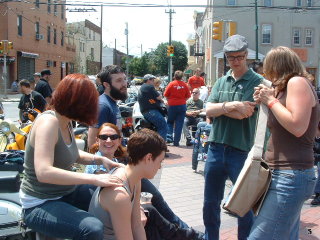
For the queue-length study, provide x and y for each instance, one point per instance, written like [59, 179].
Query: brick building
[37, 30]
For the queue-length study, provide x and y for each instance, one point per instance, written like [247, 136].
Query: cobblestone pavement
[183, 190]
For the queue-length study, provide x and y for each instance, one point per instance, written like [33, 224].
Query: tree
[139, 66]
[179, 60]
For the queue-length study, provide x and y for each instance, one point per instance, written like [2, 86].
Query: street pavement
[183, 190]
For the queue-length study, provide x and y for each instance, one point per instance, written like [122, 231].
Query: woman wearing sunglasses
[161, 220]
[54, 199]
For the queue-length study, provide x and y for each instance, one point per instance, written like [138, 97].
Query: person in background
[29, 100]
[257, 66]
[232, 134]
[196, 81]
[15, 86]
[157, 83]
[43, 87]
[194, 108]
[316, 200]
[51, 194]
[114, 81]
[293, 120]
[36, 77]
[150, 105]
[100, 87]
[177, 93]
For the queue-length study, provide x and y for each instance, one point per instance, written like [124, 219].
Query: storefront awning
[28, 55]
[189, 71]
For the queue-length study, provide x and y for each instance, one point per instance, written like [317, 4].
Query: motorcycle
[11, 224]
[12, 137]
[126, 116]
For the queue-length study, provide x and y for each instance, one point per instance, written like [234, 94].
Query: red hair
[76, 98]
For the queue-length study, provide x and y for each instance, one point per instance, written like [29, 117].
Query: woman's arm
[91, 159]
[45, 135]
[295, 116]
[137, 226]
[117, 202]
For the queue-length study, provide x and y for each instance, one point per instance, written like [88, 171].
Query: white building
[291, 23]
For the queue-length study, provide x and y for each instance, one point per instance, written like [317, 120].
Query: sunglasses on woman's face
[105, 137]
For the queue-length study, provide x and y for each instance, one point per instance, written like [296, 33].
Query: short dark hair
[178, 75]
[25, 83]
[107, 71]
[76, 97]
[143, 142]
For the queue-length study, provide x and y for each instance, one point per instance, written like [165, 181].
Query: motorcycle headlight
[5, 127]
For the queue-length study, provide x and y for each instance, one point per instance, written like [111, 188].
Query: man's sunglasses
[105, 137]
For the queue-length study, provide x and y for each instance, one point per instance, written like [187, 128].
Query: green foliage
[156, 62]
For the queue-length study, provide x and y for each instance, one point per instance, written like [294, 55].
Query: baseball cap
[235, 43]
[37, 74]
[148, 77]
[46, 72]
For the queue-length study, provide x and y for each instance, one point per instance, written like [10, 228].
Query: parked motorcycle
[11, 137]
[139, 122]
[11, 225]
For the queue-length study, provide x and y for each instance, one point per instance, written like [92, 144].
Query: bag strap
[261, 127]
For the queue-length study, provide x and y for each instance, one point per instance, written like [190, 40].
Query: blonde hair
[157, 81]
[281, 64]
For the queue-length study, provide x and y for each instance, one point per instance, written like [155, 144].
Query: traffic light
[170, 51]
[10, 45]
[1, 46]
[217, 30]
[232, 28]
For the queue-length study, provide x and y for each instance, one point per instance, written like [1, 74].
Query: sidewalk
[11, 97]
[183, 190]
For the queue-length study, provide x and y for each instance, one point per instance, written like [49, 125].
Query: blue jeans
[176, 115]
[157, 119]
[66, 217]
[317, 188]
[223, 161]
[160, 204]
[279, 217]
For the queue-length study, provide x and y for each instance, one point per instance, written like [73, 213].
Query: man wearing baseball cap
[232, 134]
[43, 86]
[149, 100]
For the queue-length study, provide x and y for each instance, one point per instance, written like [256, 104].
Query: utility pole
[101, 47]
[256, 28]
[170, 57]
[141, 49]
[126, 32]
[115, 52]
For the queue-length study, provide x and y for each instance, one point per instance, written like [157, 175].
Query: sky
[147, 26]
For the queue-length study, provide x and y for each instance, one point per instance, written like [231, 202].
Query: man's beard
[117, 94]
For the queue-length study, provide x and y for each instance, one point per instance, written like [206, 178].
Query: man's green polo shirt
[233, 132]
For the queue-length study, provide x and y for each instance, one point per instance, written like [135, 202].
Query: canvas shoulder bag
[254, 179]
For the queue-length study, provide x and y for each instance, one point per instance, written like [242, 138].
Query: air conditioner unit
[39, 36]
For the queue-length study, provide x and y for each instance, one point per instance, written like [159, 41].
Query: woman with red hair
[55, 199]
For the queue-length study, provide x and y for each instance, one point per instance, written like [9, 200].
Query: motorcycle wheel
[3, 142]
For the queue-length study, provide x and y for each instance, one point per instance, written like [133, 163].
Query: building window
[94, 36]
[81, 47]
[268, 3]
[308, 36]
[62, 38]
[49, 34]
[231, 2]
[37, 3]
[89, 34]
[62, 11]
[309, 3]
[37, 27]
[296, 36]
[19, 24]
[266, 33]
[92, 54]
[55, 9]
[298, 3]
[49, 6]
[55, 36]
